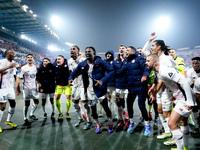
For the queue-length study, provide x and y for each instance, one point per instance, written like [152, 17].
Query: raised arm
[144, 49]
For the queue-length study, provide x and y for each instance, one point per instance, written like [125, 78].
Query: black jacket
[46, 77]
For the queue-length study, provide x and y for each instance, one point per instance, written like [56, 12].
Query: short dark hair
[29, 55]
[77, 47]
[92, 49]
[196, 58]
[133, 48]
[46, 59]
[6, 52]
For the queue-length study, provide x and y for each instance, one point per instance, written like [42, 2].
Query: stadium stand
[16, 20]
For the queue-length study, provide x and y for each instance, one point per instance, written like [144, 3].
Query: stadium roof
[17, 19]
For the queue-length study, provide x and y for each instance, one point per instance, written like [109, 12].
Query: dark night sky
[105, 24]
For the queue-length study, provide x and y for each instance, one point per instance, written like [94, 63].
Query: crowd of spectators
[21, 52]
[187, 55]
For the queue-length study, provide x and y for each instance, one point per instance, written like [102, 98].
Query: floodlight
[162, 23]
[55, 20]
[23, 36]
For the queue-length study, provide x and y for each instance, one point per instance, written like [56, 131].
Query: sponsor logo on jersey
[32, 76]
[170, 74]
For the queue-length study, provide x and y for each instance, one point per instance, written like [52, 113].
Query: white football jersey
[78, 82]
[90, 86]
[7, 77]
[177, 83]
[29, 75]
[192, 75]
[165, 60]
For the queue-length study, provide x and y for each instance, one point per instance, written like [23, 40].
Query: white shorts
[91, 96]
[44, 95]
[111, 91]
[158, 97]
[7, 94]
[78, 93]
[28, 94]
[181, 108]
[120, 93]
[164, 99]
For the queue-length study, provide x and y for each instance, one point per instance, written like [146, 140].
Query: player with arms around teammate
[137, 74]
[7, 67]
[111, 84]
[183, 96]
[121, 87]
[28, 73]
[94, 81]
[46, 81]
[77, 86]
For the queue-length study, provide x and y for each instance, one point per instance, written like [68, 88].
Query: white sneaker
[164, 136]
[171, 141]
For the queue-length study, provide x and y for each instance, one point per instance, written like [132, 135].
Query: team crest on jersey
[65, 66]
[111, 62]
[32, 75]
[170, 74]
[133, 61]
[11, 70]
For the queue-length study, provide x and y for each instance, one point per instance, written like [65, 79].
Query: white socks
[34, 107]
[178, 136]
[78, 110]
[185, 130]
[1, 115]
[11, 111]
[25, 112]
[164, 122]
